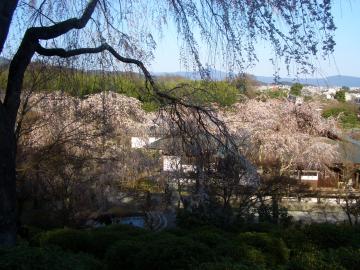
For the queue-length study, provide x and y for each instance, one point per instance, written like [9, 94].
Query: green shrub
[67, 239]
[94, 242]
[177, 231]
[313, 260]
[265, 227]
[29, 232]
[171, 252]
[150, 106]
[35, 258]
[346, 257]
[100, 241]
[157, 251]
[346, 112]
[205, 92]
[123, 254]
[228, 266]
[331, 235]
[209, 236]
[274, 248]
[308, 98]
[296, 89]
[189, 220]
[276, 94]
[315, 246]
[295, 238]
[122, 230]
[240, 253]
[253, 256]
[340, 95]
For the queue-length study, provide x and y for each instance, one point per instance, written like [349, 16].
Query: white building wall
[348, 97]
[309, 177]
[141, 142]
[137, 142]
[171, 163]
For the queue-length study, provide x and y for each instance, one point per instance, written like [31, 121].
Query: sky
[344, 61]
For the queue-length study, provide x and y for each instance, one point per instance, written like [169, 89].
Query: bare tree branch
[58, 29]
[26, 51]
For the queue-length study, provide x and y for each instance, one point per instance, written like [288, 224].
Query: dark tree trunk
[8, 113]
[275, 209]
[8, 215]
[7, 182]
[9, 108]
[347, 211]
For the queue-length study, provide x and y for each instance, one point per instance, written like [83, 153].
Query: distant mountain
[349, 81]
[338, 80]
[195, 75]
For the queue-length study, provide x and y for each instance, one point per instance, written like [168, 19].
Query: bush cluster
[261, 246]
[346, 112]
[81, 84]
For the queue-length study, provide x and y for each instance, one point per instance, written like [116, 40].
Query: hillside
[338, 80]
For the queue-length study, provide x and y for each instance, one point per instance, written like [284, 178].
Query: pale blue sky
[344, 61]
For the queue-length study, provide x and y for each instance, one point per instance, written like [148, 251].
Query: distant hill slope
[338, 80]
[194, 75]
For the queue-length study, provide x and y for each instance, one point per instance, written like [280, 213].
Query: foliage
[164, 251]
[274, 248]
[204, 92]
[309, 98]
[276, 94]
[349, 258]
[123, 254]
[81, 84]
[255, 246]
[241, 252]
[94, 242]
[296, 89]
[174, 253]
[245, 84]
[101, 239]
[332, 236]
[209, 213]
[188, 220]
[35, 258]
[346, 112]
[295, 238]
[208, 236]
[67, 239]
[340, 95]
[226, 265]
[313, 260]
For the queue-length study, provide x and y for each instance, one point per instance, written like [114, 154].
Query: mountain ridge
[330, 81]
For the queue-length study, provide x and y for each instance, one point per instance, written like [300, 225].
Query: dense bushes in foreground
[35, 258]
[318, 246]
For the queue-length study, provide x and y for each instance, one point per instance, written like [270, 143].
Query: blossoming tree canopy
[113, 33]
